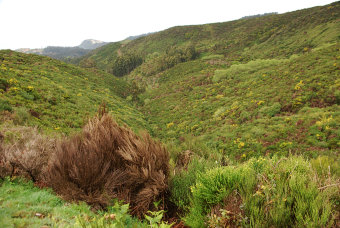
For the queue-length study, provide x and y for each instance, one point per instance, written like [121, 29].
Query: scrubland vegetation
[243, 116]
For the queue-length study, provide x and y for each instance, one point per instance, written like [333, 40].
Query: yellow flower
[258, 193]
[243, 155]
[12, 81]
[260, 102]
[299, 85]
[79, 94]
[14, 89]
[241, 144]
[170, 125]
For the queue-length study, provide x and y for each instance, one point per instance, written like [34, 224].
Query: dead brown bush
[26, 153]
[106, 161]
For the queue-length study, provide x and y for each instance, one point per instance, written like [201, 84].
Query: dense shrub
[124, 64]
[270, 111]
[235, 71]
[181, 182]
[4, 84]
[5, 106]
[263, 193]
[25, 153]
[107, 161]
[173, 55]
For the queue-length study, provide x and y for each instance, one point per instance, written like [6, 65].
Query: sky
[41, 23]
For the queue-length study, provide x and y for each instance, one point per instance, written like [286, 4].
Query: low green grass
[23, 205]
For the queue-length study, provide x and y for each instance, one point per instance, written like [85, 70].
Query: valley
[247, 110]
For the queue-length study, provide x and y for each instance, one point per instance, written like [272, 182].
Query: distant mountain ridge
[91, 44]
[64, 53]
[138, 36]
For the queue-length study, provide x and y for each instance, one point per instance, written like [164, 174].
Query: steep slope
[37, 90]
[278, 35]
[100, 57]
[263, 107]
[264, 85]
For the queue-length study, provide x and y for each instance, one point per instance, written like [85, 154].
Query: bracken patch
[106, 161]
[27, 154]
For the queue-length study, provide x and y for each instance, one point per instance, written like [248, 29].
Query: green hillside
[242, 40]
[250, 87]
[40, 91]
[225, 93]
[248, 110]
[263, 107]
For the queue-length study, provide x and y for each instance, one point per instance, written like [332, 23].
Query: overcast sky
[40, 23]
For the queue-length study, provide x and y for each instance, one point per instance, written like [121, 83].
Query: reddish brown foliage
[184, 159]
[107, 161]
[26, 154]
[232, 207]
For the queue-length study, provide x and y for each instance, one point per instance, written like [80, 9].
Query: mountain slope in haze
[138, 36]
[91, 44]
[66, 53]
[37, 90]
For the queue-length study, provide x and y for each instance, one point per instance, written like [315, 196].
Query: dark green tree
[124, 64]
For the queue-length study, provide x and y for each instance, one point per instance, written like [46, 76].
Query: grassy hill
[265, 87]
[269, 83]
[57, 99]
[248, 109]
[263, 107]
[272, 36]
[37, 90]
